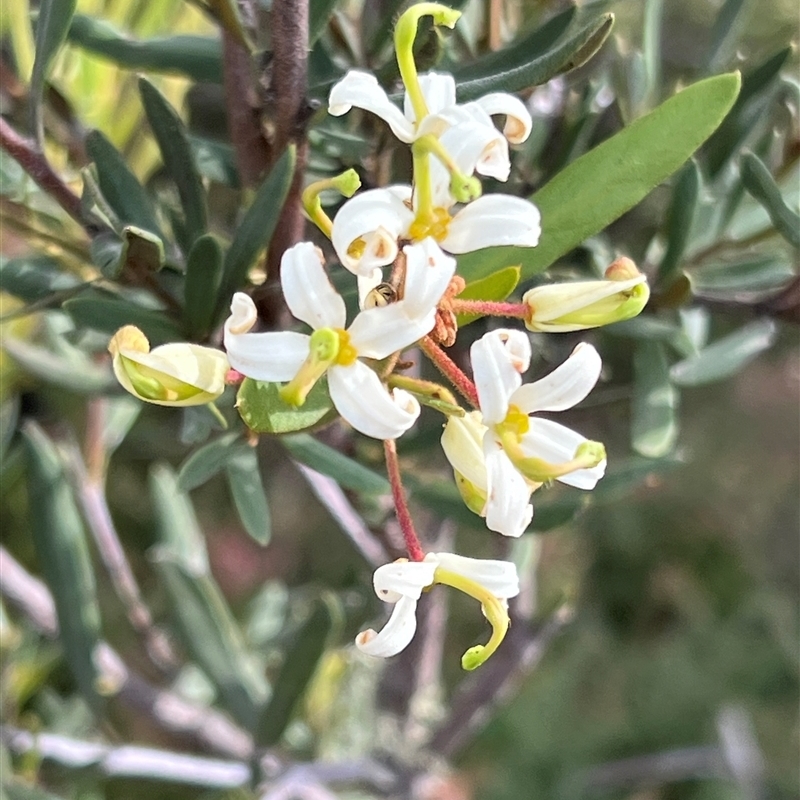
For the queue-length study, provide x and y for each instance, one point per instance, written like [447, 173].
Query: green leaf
[344, 470]
[9, 417]
[654, 427]
[724, 34]
[197, 57]
[142, 252]
[612, 178]
[760, 183]
[78, 374]
[108, 314]
[34, 277]
[215, 160]
[569, 55]
[200, 289]
[257, 227]
[247, 490]
[63, 555]
[651, 49]
[319, 12]
[299, 666]
[52, 25]
[205, 463]
[680, 217]
[176, 152]
[496, 287]
[105, 251]
[263, 410]
[726, 356]
[119, 185]
[757, 274]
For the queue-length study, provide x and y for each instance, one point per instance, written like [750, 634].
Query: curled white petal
[439, 91]
[508, 509]
[366, 228]
[497, 577]
[557, 444]
[395, 634]
[477, 146]
[366, 283]
[263, 356]
[402, 579]
[428, 273]
[462, 442]
[362, 400]
[493, 220]
[498, 358]
[379, 332]
[308, 290]
[518, 119]
[565, 386]
[362, 90]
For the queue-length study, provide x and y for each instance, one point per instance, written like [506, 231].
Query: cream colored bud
[177, 374]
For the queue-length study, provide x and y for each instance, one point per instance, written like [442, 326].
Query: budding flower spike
[491, 583]
[503, 454]
[578, 305]
[301, 359]
[178, 374]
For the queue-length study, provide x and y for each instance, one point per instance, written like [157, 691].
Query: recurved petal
[478, 146]
[498, 358]
[362, 400]
[396, 633]
[367, 227]
[462, 442]
[428, 274]
[565, 386]
[362, 90]
[557, 444]
[379, 332]
[492, 220]
[366, 283]
[508, 509]
[439, 91]
[308, 290]
[402, 579]
[497, 577]
[518, 119]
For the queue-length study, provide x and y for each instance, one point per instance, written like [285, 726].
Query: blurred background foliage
[654, 650]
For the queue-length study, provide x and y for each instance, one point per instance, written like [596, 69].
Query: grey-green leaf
[176, 152]
[724, 33]
[264, 411]
[119, 185]
[61, 547]
[203, 276]
[569, 55]
[257, 227]
[760, 183]
[726, 356]
[319, 12]
[35, 277]
[324, 459]
[206, 462]
[249, 497]
[744, 280]
[680, 217]
[197, 57]
[654, 426]
[607, 181]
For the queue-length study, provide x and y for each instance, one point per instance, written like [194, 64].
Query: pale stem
[450, 370]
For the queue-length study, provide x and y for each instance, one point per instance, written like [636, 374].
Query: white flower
[492, 583]
[176, 374]
[355, 389]
[519, 452]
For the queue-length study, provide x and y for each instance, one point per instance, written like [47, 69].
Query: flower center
[517, 422]
[434, 224]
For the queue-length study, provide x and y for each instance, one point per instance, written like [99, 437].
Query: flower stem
[413, 546]
[490, 308]
[450, 370]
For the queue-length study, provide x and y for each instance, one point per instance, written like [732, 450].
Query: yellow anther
[347, 353]
[434, 224]
[516, 421]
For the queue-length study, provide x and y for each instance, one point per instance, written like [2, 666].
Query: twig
[494, 682]
[413, 546]
[450, 370]
[167, 710]
[303, 780]
[331, 495]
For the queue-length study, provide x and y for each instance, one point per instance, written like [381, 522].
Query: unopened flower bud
[578, 305]
[177, 374]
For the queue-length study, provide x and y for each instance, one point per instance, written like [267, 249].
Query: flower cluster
[399, 242]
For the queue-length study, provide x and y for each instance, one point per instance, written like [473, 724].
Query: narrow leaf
[176, 152]
[654, 427]
[200, 289]
[726, 356]
[119, 185]
[680, 217]
[612, 178]
[724, 33]
[197, 57]
[573, 53]
[324, 459]
[760, 183]
[743, 279]
[264, 411]
[256, 228]
[60, 542]
[206, 462]
[651, 49]
[33, 278]
[319, 12]
[247, 490]
[495, 287]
